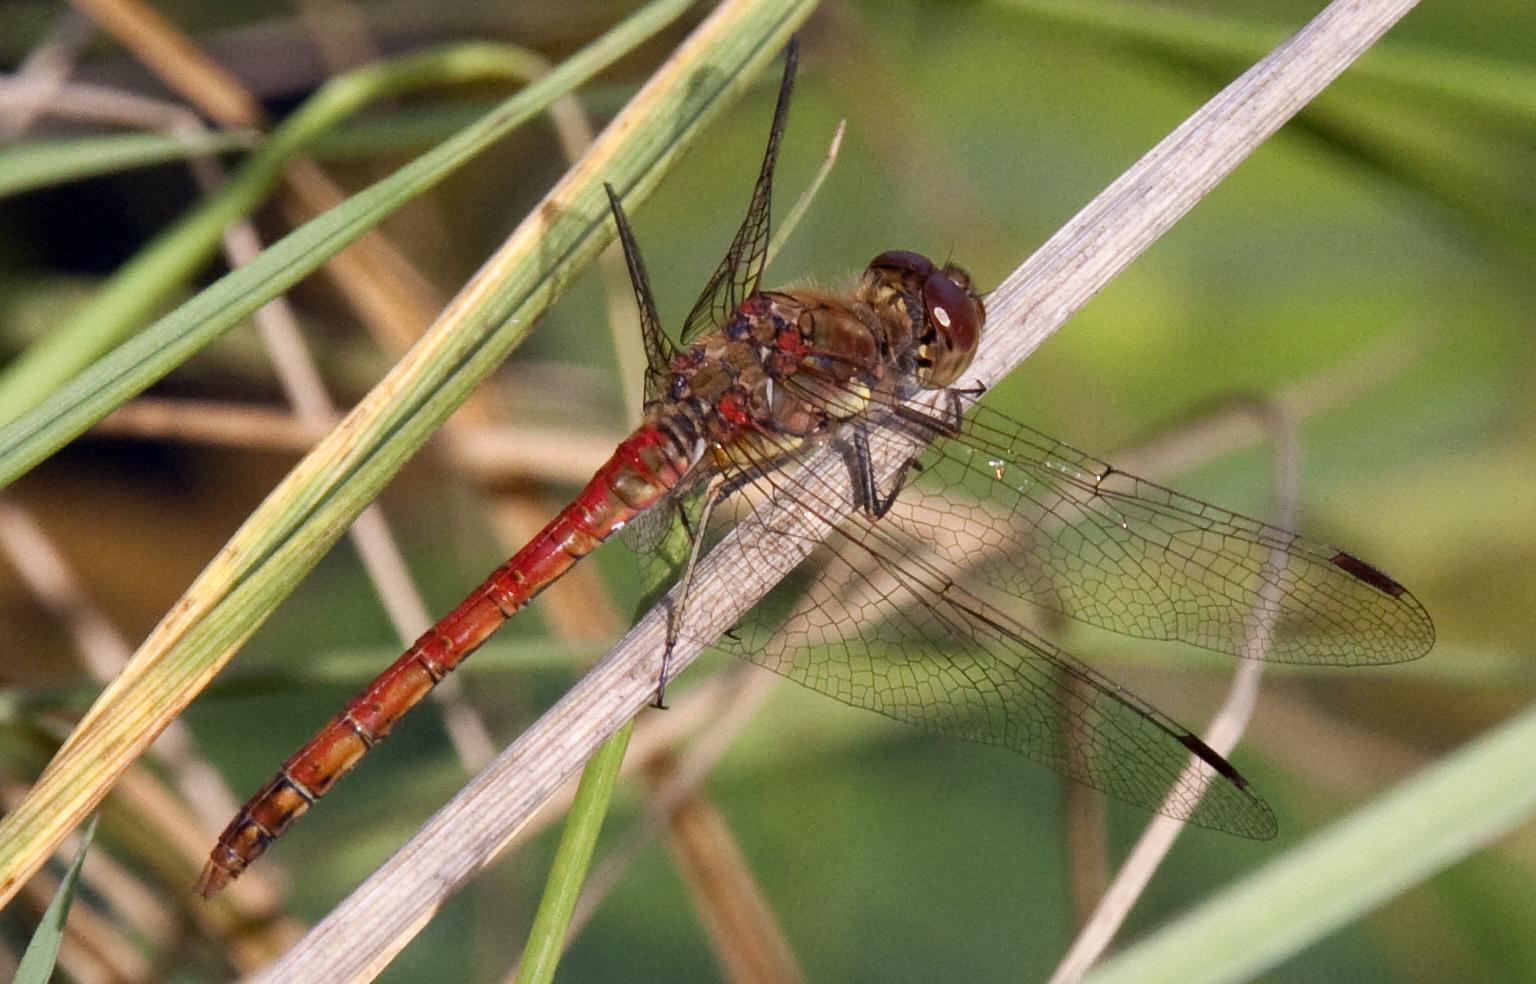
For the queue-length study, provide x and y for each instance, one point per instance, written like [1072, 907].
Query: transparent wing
[1033, 518]
[869, 619]
[659, 350]
[741, 272]
[924, 613]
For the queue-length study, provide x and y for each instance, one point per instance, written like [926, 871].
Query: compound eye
[905, 261]
[954, 317]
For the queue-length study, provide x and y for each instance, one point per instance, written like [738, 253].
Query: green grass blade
[42, 954]
[147, 282]
[45, 163]
[546, 938]
[1395, 842]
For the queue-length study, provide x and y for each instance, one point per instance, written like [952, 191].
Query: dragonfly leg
[948, 421]
[871, 500]
[928, 427]
[685, 581]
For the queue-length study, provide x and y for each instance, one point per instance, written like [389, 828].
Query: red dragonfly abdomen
[644, 468]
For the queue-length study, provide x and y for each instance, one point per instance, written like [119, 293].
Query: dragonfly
[929, 600]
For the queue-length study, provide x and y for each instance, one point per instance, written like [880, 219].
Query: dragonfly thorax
[790, 364]
[795, 363]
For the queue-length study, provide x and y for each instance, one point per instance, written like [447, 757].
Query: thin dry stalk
[45, 71]
[96, 945]
[177, 58]
[1190, 446]
[724, 704]
[96, 104]
[46, 570]
[737, 697]
[1088, 864]
[655, 735]
[374, 271]
[300, 377]
[503, 453]
[743, 930]
[385, 288]
[1222, 735]
[103, 650]
[173, 56]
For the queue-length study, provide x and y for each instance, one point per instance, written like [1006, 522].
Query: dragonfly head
[948, 326]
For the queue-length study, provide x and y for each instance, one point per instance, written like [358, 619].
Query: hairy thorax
[785, 367]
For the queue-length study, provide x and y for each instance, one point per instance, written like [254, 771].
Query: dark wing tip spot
[1360, 570]
[1213, 758]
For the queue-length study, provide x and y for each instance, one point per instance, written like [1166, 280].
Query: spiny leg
[927, 427]
[711, 497]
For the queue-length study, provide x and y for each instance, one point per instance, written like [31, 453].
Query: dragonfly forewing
[1113, 550]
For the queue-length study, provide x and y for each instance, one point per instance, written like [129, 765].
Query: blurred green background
[1377, 254]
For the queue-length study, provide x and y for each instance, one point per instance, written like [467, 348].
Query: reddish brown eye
[954, 316]
[950, 311]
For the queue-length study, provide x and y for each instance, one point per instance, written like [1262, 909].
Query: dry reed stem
[176, 59]
[384, 288]
[45, 72]
[501, 453]
[1187, 447]
[737, 697]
